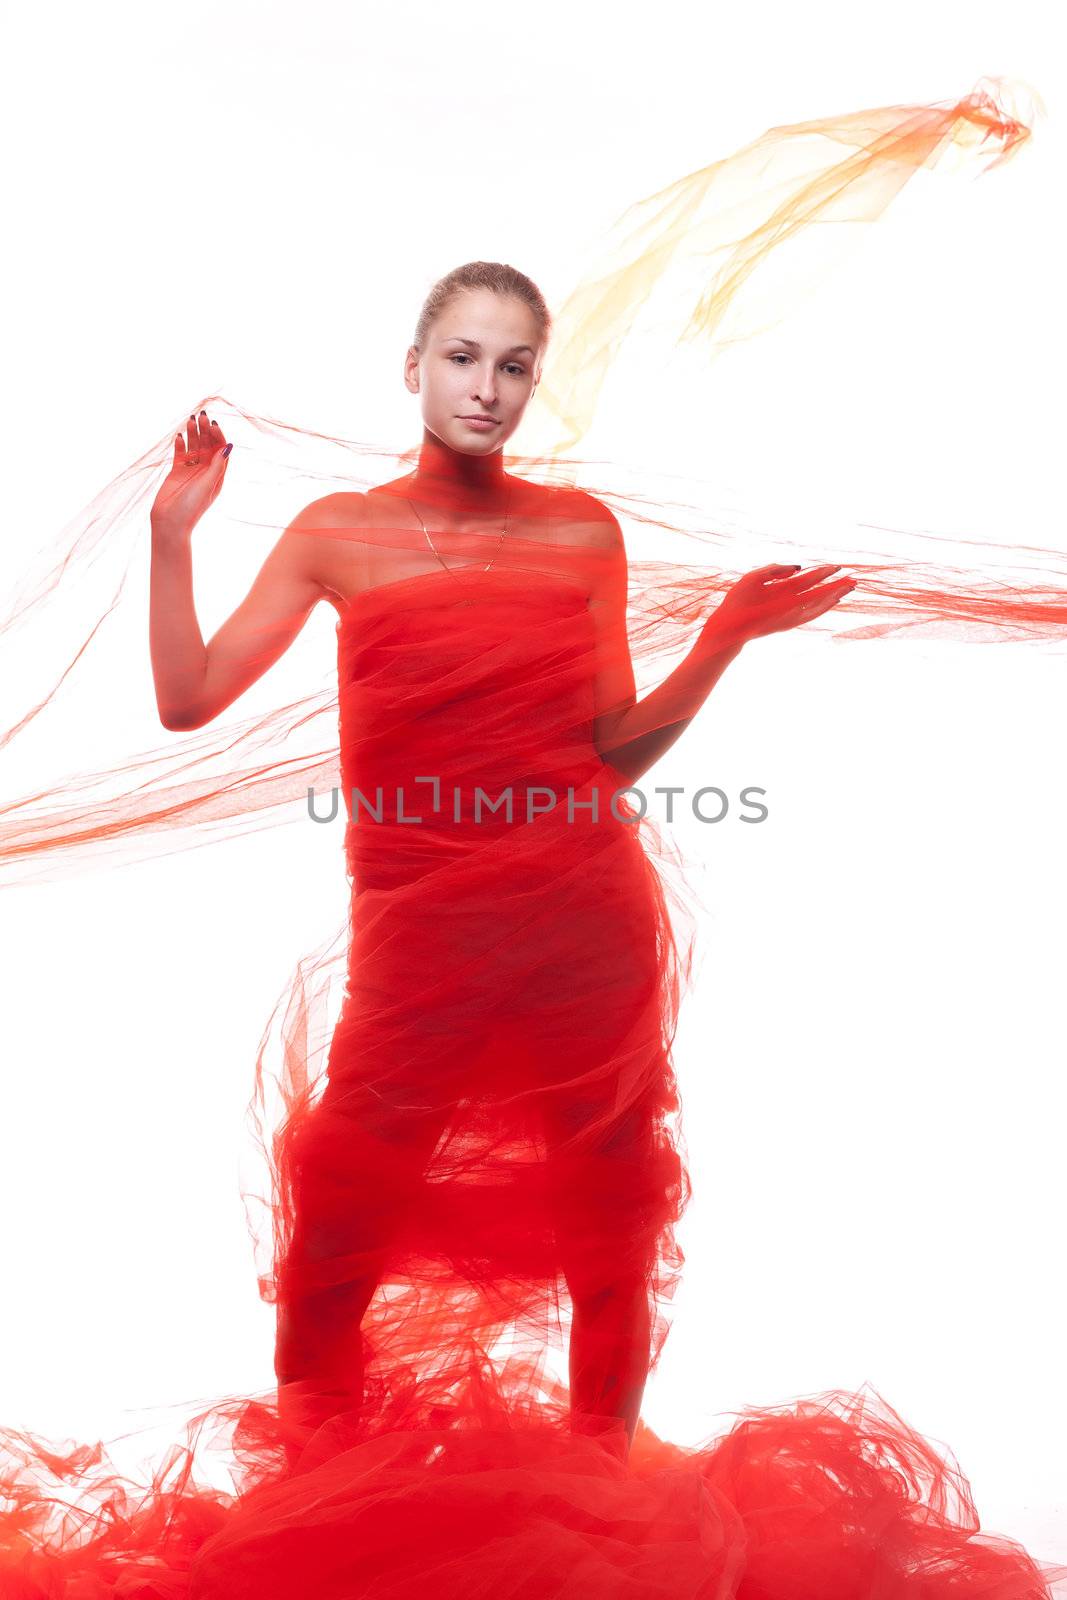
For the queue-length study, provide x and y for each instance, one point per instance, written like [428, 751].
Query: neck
[448, 477]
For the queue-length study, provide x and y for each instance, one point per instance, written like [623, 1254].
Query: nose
[485, 388]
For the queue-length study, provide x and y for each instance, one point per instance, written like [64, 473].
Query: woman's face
[482, 358]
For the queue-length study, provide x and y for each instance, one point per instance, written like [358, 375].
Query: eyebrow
[458, 338]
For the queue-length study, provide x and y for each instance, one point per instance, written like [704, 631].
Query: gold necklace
[437, 553]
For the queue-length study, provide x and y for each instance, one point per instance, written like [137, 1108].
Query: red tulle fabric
[481, 1154]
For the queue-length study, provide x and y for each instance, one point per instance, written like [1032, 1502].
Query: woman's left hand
[774, 598]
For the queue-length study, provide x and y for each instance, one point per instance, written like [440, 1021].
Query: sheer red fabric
[484, 1152]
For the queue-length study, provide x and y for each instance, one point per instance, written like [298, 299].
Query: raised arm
[195, 681]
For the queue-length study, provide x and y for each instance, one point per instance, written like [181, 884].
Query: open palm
[196, 474]
[772, 598]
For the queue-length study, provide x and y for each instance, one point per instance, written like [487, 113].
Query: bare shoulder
[598, 525]
[602, 536]
[344, 509]
[581, 520]
[588, 540]
[321, 544]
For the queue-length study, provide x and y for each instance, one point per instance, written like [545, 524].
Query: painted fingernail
[228, 448]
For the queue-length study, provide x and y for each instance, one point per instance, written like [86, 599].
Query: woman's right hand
[195, 476]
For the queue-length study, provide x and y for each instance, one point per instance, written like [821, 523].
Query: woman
[612, 1178]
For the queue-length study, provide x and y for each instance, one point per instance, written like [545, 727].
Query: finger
[204, 431]
[815, 605]
[191, 436]
[179, 448]
[776, 569]
[218, 438]
[814, 575]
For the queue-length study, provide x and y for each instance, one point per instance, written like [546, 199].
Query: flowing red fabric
[482, 1151]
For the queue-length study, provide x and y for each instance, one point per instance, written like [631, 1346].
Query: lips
[476, 418]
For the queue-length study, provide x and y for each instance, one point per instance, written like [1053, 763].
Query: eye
[515, 367]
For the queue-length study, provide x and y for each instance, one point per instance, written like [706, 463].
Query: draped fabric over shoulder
[485, 1142]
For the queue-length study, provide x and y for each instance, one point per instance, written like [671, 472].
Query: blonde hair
[495, 275]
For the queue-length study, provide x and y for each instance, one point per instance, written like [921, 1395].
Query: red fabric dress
[500, 1075]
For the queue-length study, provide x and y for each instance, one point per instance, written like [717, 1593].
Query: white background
[253, 200]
